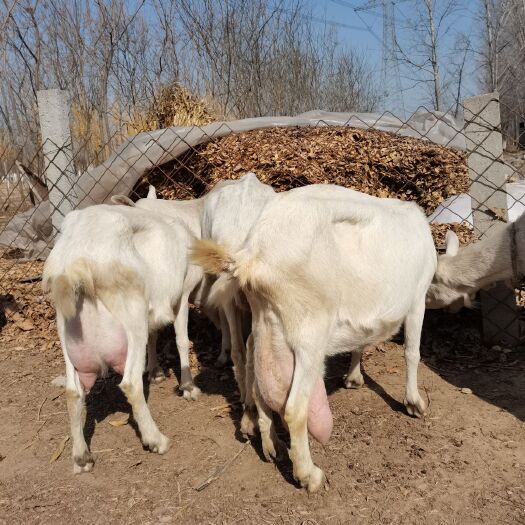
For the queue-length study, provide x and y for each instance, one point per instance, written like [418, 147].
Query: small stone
[507, 351]
[496, 348]
[466, 390]
[59, 381]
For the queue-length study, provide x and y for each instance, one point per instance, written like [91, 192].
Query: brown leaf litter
[374, 162]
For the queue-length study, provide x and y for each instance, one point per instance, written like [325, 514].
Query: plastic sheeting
[120, 172]
[458, 209]
[30, 231]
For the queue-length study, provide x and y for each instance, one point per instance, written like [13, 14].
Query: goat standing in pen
[326, 270]
[117, 274]
[230, 211]
[190, 212]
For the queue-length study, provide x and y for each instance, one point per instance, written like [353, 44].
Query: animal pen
[455, 169]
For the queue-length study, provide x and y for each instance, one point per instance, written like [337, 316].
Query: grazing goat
[116, 275]
[461, 272]
[326, 270]
[230, 211]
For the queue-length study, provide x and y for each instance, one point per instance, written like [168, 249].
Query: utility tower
[390, 75]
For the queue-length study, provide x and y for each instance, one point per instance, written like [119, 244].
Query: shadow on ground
[452, 347]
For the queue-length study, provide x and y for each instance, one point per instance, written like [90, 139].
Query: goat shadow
[105, 399]
[211, 378]
[452, 346]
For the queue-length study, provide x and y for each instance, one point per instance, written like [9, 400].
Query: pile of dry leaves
[371, 161]
[26, 313]
[464, 233]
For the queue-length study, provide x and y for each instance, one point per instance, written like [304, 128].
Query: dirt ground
[464, 463]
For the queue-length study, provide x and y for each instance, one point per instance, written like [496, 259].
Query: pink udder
[95, 341]
[274, 371]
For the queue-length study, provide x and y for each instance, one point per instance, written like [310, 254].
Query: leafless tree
[258, 57]
[426, 60]
[502, 57]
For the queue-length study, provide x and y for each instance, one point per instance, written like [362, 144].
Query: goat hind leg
[155, 372]
[188, 388]
[354, 378]
[225, 340]
[413, 324]
[131, 384]
[308, 368]
[76, 407]
[238, 351]
[249, 417]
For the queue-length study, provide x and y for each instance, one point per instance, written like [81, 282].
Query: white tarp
[120, 172]
[458, 208]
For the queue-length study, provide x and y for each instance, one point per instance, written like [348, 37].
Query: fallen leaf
[60, 448]
[220, 407]
[119, 422]
[500, 213]
[22, 322]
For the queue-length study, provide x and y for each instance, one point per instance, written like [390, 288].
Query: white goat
[117, 274]
[326, 270]
[230, 211]
[461, 272]
[190, 211]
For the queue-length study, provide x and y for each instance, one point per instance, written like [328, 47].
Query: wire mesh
[480, 189]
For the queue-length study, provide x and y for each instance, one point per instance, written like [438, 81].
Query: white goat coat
[230, 211]
[327, 251]
[327, 270]
[116, 274]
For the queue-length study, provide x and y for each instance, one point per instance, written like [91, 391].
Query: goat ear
[122, 199]
[451, 243]
[152, 192]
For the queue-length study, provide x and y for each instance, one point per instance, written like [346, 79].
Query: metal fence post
[54, 111]
[488, 175]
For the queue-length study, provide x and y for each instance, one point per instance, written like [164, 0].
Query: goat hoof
[249, 422]
[83, 463]
[159, 446]
[416, 408]
[191, 392]
[354, 382]
[314, 480]
[156, 376]
[273, 449]
[222, 360]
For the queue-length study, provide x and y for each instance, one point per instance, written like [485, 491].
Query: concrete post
[488, 175]
[53, 110]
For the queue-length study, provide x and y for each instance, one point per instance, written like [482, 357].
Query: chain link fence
[467, 173]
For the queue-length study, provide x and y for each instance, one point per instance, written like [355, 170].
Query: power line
[321, 20]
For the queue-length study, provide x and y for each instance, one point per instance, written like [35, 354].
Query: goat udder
[274, 372]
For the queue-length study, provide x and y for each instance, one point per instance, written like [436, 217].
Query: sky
[363, 29]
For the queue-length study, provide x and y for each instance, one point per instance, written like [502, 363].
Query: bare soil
[463, 463]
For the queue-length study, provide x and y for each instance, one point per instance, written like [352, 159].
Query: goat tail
[216, 259]
[66, 288]
[213, 257]
[85, 278]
